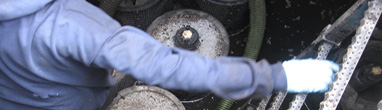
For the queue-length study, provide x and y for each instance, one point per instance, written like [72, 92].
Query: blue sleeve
[134, 52]
[96, 40]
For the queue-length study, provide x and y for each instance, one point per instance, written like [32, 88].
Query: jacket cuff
[279, 77]
[263, 83]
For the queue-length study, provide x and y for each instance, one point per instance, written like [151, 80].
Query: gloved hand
[309, 75]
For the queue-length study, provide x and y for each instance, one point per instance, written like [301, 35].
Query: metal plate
[351, 58]
[354, 52]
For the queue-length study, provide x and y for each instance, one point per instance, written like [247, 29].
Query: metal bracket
[363, 16]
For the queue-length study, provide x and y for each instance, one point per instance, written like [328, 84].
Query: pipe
[255, 38]
[110, 6]
[257, 27]
[225, 104]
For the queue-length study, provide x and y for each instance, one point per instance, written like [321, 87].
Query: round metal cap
[192, 30]
[187, 38]
[145, 98]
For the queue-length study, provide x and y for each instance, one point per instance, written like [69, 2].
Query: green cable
[257, 27]
[225, 104]
[254, 41]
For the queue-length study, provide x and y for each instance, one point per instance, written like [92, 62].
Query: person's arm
[98, 41]
[134, 52]
[87, 35]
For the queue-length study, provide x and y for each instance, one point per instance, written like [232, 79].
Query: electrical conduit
[254, 41]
